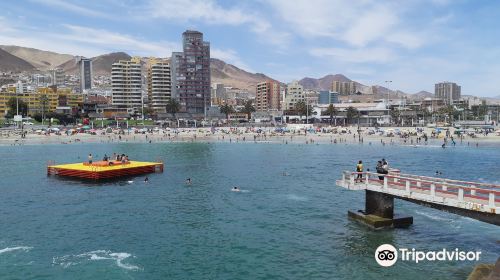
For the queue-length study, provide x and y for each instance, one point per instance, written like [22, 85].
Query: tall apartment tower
[159, 84]
[447, 91]
[56, 77]
[191, 73]
[126, 85]
[294, 94]
[268, 96]
[344, 88]
[85, 67]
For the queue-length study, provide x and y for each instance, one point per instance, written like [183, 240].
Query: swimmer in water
[146, 180]
[188, 181]
[235, 189]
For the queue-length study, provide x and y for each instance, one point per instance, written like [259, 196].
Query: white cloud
[208, 11]
[79, 40]
[357, 23]
[66, 5]
[230, 56]
[361, 55]
[118, 41]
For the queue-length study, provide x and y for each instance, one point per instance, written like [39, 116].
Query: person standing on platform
[359, 169]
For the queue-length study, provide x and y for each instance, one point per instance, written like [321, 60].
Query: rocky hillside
[233, 76]
[9, 62]
[42, 60]
[324, 83]
[101, 65]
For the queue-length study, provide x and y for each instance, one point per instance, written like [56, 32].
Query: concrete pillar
[433, 190]
[343, 178]
[472, 192]
[395, 180]
[419, 184]
[379, 204]
[385, 182]
[491, 200]
[444, 187]
[367, 179]
[408, 189]
[460, 194]
[352, 178]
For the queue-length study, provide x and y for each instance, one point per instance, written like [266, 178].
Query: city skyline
[414, 44]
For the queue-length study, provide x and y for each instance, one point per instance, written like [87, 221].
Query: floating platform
[104, 170]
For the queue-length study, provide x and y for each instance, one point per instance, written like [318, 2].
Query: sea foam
[97, 255]
[10, 249]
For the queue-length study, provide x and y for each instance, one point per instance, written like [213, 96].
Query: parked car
[28, 123]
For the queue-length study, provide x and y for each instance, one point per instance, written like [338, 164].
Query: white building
[159, 84]
[294, 94]
[126, 85]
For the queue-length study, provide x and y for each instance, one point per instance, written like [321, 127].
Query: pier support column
[379, 204]
[379, 212]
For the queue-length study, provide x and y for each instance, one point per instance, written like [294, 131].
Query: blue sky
[413, 43]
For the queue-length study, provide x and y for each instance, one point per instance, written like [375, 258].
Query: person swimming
[146, 180]
[188, 181]
[235, 189]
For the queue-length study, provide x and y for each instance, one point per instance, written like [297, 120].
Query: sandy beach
[250, 135]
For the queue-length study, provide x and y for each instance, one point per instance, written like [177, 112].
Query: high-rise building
[56, 77]
[294, 94]
[344, 88]
[268, 96]
[328, 97]
[191, 73]
[159, 84]
[447, 91]
[85, 67]
[126, 85]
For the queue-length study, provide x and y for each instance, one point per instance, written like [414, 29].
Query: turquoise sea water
[278, 227]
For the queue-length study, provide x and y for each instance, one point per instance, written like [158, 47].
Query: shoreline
[242, 135]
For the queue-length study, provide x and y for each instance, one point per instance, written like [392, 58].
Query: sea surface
[288, 222]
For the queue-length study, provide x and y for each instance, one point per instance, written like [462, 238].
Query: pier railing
[439, 190]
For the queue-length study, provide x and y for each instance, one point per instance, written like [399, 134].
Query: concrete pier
[480, 201]
[379, 212]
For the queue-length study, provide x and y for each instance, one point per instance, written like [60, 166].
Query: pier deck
[480, 201]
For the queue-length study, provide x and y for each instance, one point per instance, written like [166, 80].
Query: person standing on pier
[359, 169]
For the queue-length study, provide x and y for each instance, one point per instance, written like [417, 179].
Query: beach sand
[238, 135]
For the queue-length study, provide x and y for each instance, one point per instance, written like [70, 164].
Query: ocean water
[278, 227]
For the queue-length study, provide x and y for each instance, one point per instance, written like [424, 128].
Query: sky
[412, 43]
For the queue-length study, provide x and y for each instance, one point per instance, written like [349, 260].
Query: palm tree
[394, 113]
[44, 100]
[351, 114]
[248, 109]
[301, 108]
[332, 112]
[226, 109]
[173, 107]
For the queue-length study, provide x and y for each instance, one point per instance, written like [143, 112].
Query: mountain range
[22, 59]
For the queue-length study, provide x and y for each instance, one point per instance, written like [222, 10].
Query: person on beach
[359, 169]
[105, 157]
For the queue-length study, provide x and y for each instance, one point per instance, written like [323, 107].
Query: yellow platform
[99, 170]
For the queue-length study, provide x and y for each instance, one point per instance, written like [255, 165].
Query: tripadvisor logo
[387, 255]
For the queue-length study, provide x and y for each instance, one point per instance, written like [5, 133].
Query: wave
[98, 255]
[10, 249]
[433, 217]
[296, 197]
